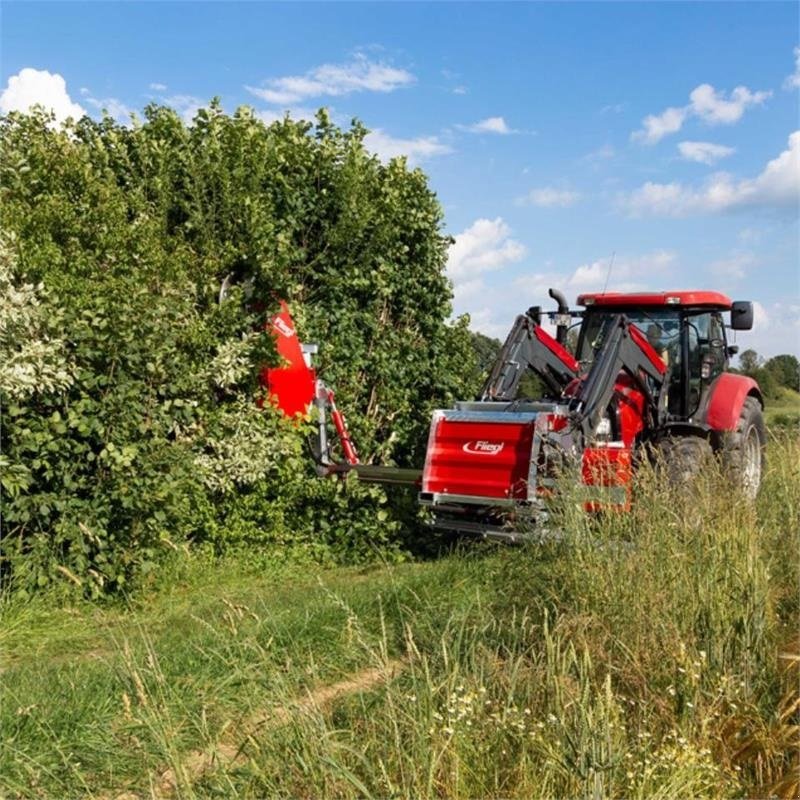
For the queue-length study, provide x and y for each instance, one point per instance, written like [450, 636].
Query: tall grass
[642, 655]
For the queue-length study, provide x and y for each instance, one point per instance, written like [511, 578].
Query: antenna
[610, 267]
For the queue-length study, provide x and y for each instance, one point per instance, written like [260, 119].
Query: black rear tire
[743, 456]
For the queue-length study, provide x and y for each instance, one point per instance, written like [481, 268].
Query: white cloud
[491, 322]
[492, 306]
[483, 247]
[776, 329]
[334, 80]
[793, 81]
[115, 108]
[706, 103]
[734, 268]
[712, 107]
[761, 319]
[460, 90]
[186, 105]
[704, 152]
[387, 147]
[549, 197]
[158, 87]
[39, 87]
[657, 126]
[776, 188]
[617, 274]
[489, 125]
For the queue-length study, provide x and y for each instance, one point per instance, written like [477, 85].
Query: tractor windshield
[660, 325]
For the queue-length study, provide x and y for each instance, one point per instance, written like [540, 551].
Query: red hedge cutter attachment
[294, 387]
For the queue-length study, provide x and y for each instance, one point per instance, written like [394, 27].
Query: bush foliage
[129, 425]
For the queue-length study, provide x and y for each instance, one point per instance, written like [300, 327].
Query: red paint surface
[728, 393]
[348, 448]
[551, 344]
[291, 386]
[648, 349]
[621, 300]
[607, 467]
[631, 406]
[479, 459]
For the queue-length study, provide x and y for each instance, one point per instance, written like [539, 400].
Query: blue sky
[555, 135]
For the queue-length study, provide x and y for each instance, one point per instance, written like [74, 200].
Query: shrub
[142, 431]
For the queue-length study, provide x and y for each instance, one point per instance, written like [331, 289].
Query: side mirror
[742, 315]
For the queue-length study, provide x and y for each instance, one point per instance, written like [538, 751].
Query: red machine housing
[292, 386]
[607, 472]
[474, 455]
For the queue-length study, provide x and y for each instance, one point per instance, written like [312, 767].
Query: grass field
[646, 655]
[785, 409]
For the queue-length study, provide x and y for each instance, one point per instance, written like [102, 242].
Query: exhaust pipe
[563, 319]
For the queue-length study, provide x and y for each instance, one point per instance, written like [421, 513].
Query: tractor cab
[686, 329]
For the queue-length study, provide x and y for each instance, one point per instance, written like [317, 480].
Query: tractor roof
[677, 298]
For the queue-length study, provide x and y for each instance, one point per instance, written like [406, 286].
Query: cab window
[661, 326]
[706, 347]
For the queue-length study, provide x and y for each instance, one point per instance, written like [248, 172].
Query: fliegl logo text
[483, 448]
[282, 327]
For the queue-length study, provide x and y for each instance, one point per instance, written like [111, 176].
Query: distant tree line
[771, 374]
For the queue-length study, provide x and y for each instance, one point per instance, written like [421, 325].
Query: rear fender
[726, 396]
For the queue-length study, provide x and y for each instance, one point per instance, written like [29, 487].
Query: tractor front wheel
[683, 459]
[743, 449]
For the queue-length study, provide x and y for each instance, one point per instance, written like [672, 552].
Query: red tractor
[646, 373]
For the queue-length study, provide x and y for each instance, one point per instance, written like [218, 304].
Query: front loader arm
[529, 346]
[623, 347]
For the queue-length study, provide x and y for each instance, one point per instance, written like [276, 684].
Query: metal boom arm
[528, 346]
[623, 348]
